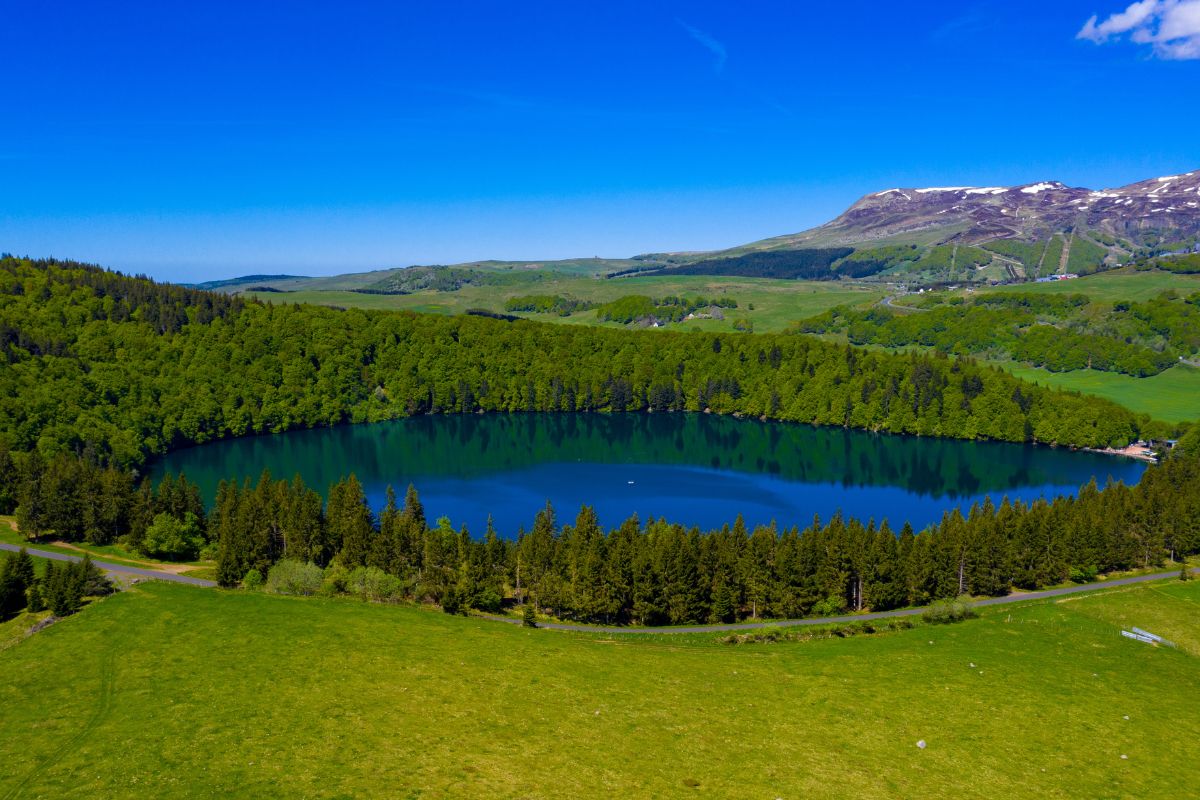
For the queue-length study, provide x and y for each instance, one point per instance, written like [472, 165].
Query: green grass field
[167, 691]
[1171, 396]
[777, 303]
[1122, 284]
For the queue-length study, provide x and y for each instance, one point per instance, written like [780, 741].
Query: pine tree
[349, 522]
[529, 616]
[723, 609]
[12, 588]
[386, 550]
[23, 567]
[451, 602]
[67, 585]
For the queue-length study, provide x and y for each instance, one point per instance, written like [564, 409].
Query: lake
[696, 469]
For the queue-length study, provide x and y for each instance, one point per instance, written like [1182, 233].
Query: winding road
[110, 567]
[735, 626]
[903, 612]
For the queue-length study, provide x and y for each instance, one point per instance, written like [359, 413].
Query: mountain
[932, 234]
[1144, 214]
[1030, 230]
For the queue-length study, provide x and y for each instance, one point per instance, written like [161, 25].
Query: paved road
[110, 567]
[738, 626]
[890, 302]
[904, 612]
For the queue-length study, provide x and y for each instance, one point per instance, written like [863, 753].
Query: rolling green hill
[167, 691]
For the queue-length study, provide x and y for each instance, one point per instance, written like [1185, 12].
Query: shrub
[337, 580]
[295, 577]
[172, 539]
[830, 606]
[1084, 574]
[253, 580]
[944, 612]
[372, 583]
[487, 600]
[529, 616]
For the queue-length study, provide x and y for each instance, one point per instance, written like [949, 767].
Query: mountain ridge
[1022, 231]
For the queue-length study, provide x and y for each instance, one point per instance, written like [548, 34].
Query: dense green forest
[1058, 332]
[650, 572]
[809, 264]
[102, 370]
[634, 307]
[877, 259]
[125, 368]
[548, 304]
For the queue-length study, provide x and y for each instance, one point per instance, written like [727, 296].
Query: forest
[1058, 332]
[548, 304]
[103, 370]
[650, 572]
[634, 307]
[118, 369]
[810, 264]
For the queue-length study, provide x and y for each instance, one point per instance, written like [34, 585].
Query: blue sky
[214, 139]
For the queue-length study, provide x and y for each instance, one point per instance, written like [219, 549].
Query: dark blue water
[695, 469]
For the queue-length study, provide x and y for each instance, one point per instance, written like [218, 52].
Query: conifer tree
[12, 588]
[349, 522]
[386, 550]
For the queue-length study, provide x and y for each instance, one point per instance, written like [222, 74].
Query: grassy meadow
[777, 303]
[1122, 284]
[169, 691]
[1171, 396]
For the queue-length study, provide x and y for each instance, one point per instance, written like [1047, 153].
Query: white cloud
[708, 42]
[1170, 27]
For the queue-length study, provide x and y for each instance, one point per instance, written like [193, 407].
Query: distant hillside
[968, 234]
[1036, 229]
[213, 286]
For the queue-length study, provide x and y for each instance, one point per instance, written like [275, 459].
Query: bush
[170, 539]
[829, 607]
[295, 577]
[944, 612]
[372, 583]
[337, 580]
[487, 600]
[529, 616]
[1084, 574]
[253, 580]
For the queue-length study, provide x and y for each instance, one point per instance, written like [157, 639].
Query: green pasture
[1171, 396]
[1113, 286]
[170, 691]
[777, 303]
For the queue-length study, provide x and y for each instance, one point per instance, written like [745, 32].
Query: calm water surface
[690, 468]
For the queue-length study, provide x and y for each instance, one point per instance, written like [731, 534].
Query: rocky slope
[1145, 214]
